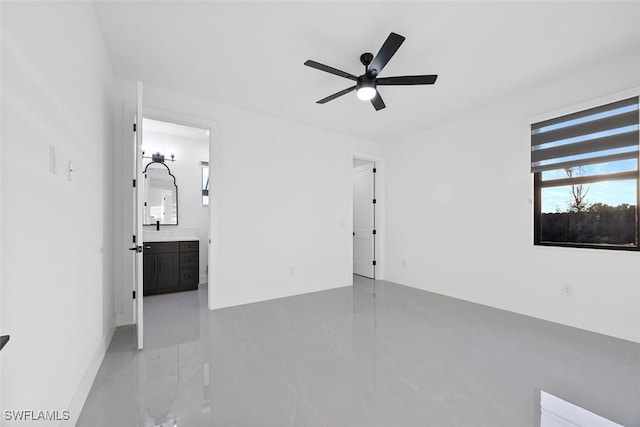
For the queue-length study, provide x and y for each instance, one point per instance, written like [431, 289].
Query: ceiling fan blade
[387, 50]
[377, 102]
[326, 68]
[407, 80]
[336, 95]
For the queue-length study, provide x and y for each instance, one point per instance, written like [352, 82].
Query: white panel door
[363, 220]
[137, 222]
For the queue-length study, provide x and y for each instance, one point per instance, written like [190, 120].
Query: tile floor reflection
[346, 358]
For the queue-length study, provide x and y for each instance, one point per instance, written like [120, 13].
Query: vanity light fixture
[159, 157]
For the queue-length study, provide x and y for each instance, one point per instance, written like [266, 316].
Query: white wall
[281, 202]
[57, 244]
[460, 213]
[1, 200]
[190, 153]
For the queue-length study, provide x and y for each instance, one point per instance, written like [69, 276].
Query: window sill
[588, 247]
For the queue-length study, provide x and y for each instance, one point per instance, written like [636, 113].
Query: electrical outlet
[567, 290]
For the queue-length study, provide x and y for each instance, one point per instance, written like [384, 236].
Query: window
[585, 168]
[558, 412]
[204, 183]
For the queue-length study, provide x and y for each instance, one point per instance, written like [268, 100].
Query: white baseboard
[82, 392]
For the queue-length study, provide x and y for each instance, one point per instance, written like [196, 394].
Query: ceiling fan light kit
[365, 89]
[366, 84]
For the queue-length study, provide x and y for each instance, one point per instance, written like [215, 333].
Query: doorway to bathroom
[175, 189]
[176, 200]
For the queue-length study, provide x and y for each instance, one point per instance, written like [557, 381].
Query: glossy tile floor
[346, 358]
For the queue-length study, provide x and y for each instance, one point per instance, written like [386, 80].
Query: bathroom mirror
[160, 195]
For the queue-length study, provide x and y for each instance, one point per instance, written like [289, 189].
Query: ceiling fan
[366, 84]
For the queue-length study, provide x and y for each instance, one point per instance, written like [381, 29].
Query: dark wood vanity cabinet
[170, 266]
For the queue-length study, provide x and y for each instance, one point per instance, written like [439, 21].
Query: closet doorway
[364, 217]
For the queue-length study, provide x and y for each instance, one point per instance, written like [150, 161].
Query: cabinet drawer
[189, 277]
[189, 260]
[161, 247]
[191, 246]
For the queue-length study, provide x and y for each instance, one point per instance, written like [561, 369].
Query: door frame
[122, 182]
[138, 244]
[380, 194]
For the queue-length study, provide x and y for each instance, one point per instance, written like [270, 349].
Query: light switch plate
[52, 159]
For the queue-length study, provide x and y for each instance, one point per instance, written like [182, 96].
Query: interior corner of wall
[123, 319]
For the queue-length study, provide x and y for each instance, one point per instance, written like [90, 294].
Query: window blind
[597, 135]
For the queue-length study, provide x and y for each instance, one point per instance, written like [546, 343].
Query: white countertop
[170, 234]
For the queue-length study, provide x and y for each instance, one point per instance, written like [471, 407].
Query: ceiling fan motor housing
[365, 81]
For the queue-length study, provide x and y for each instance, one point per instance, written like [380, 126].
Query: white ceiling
[251, 54]
[167, 128]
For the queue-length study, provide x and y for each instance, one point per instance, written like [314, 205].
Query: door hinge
[374, 231]
[134, 183]
[135, 128]
[374, 170]
[133, 238]
[134, 294]
[374, 200]
[374, 262]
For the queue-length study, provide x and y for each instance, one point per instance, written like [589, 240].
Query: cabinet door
[168, 270]
[150, 281]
